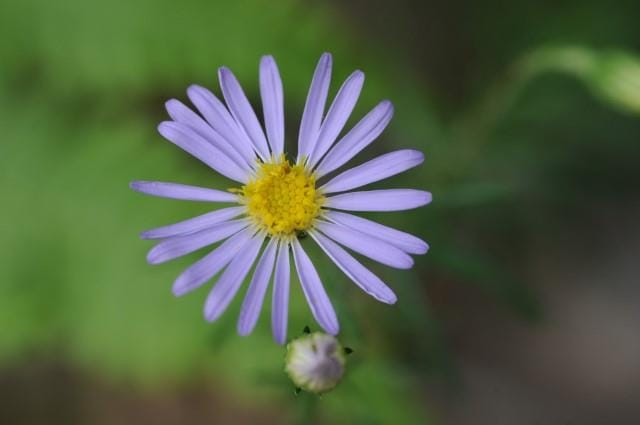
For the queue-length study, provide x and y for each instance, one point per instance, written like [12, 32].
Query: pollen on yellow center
[282, 199]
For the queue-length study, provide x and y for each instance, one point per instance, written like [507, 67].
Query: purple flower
[278, 200]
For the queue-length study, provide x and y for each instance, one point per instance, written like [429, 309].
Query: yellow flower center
[282, 199]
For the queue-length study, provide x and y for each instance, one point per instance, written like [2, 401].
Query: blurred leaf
[613, 76]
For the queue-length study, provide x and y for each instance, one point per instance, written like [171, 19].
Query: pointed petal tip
[158, 255]
[407, 264]
[146, 235]
[267, 59]
[243, 330]
[418, 155]
[224, 76]
[422, 249]
[388, 297]
[152, 258]
[175, 109]
[165, 127]
[356, 81]
[177, 290]
[194, 89]
[325, 61]
[384, 108]
[209, 314]
[224, 72]
[171, 103]
[332, 329]
[357, 74]
[427, 197]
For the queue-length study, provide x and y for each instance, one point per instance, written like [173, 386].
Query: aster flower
[279, 200]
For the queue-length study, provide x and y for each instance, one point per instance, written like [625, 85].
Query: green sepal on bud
[315, 362]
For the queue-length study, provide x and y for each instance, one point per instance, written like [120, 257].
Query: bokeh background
[525, 311]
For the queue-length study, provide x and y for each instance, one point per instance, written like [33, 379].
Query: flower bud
[315, 362]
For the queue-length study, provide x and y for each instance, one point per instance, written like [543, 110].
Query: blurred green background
[525, 311]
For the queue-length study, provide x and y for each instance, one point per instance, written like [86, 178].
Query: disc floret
[282, 198]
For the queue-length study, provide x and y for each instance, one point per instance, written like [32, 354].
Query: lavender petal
[280, 296]
[380, 200]
[219, 118]
[375, 170]
[178, 246]
[227, 286]
[254, 299]
[272, 103]
[405, 241]
[182, 114]
[360, 136]
[314, 107]
[314, 292]
[182, 191]
[371, 247]
[337, 116]
[194, 224]
[190, 141]
[207, 267]
[360, 275]
[242, 111]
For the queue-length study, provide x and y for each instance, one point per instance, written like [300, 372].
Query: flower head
[277, 200]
